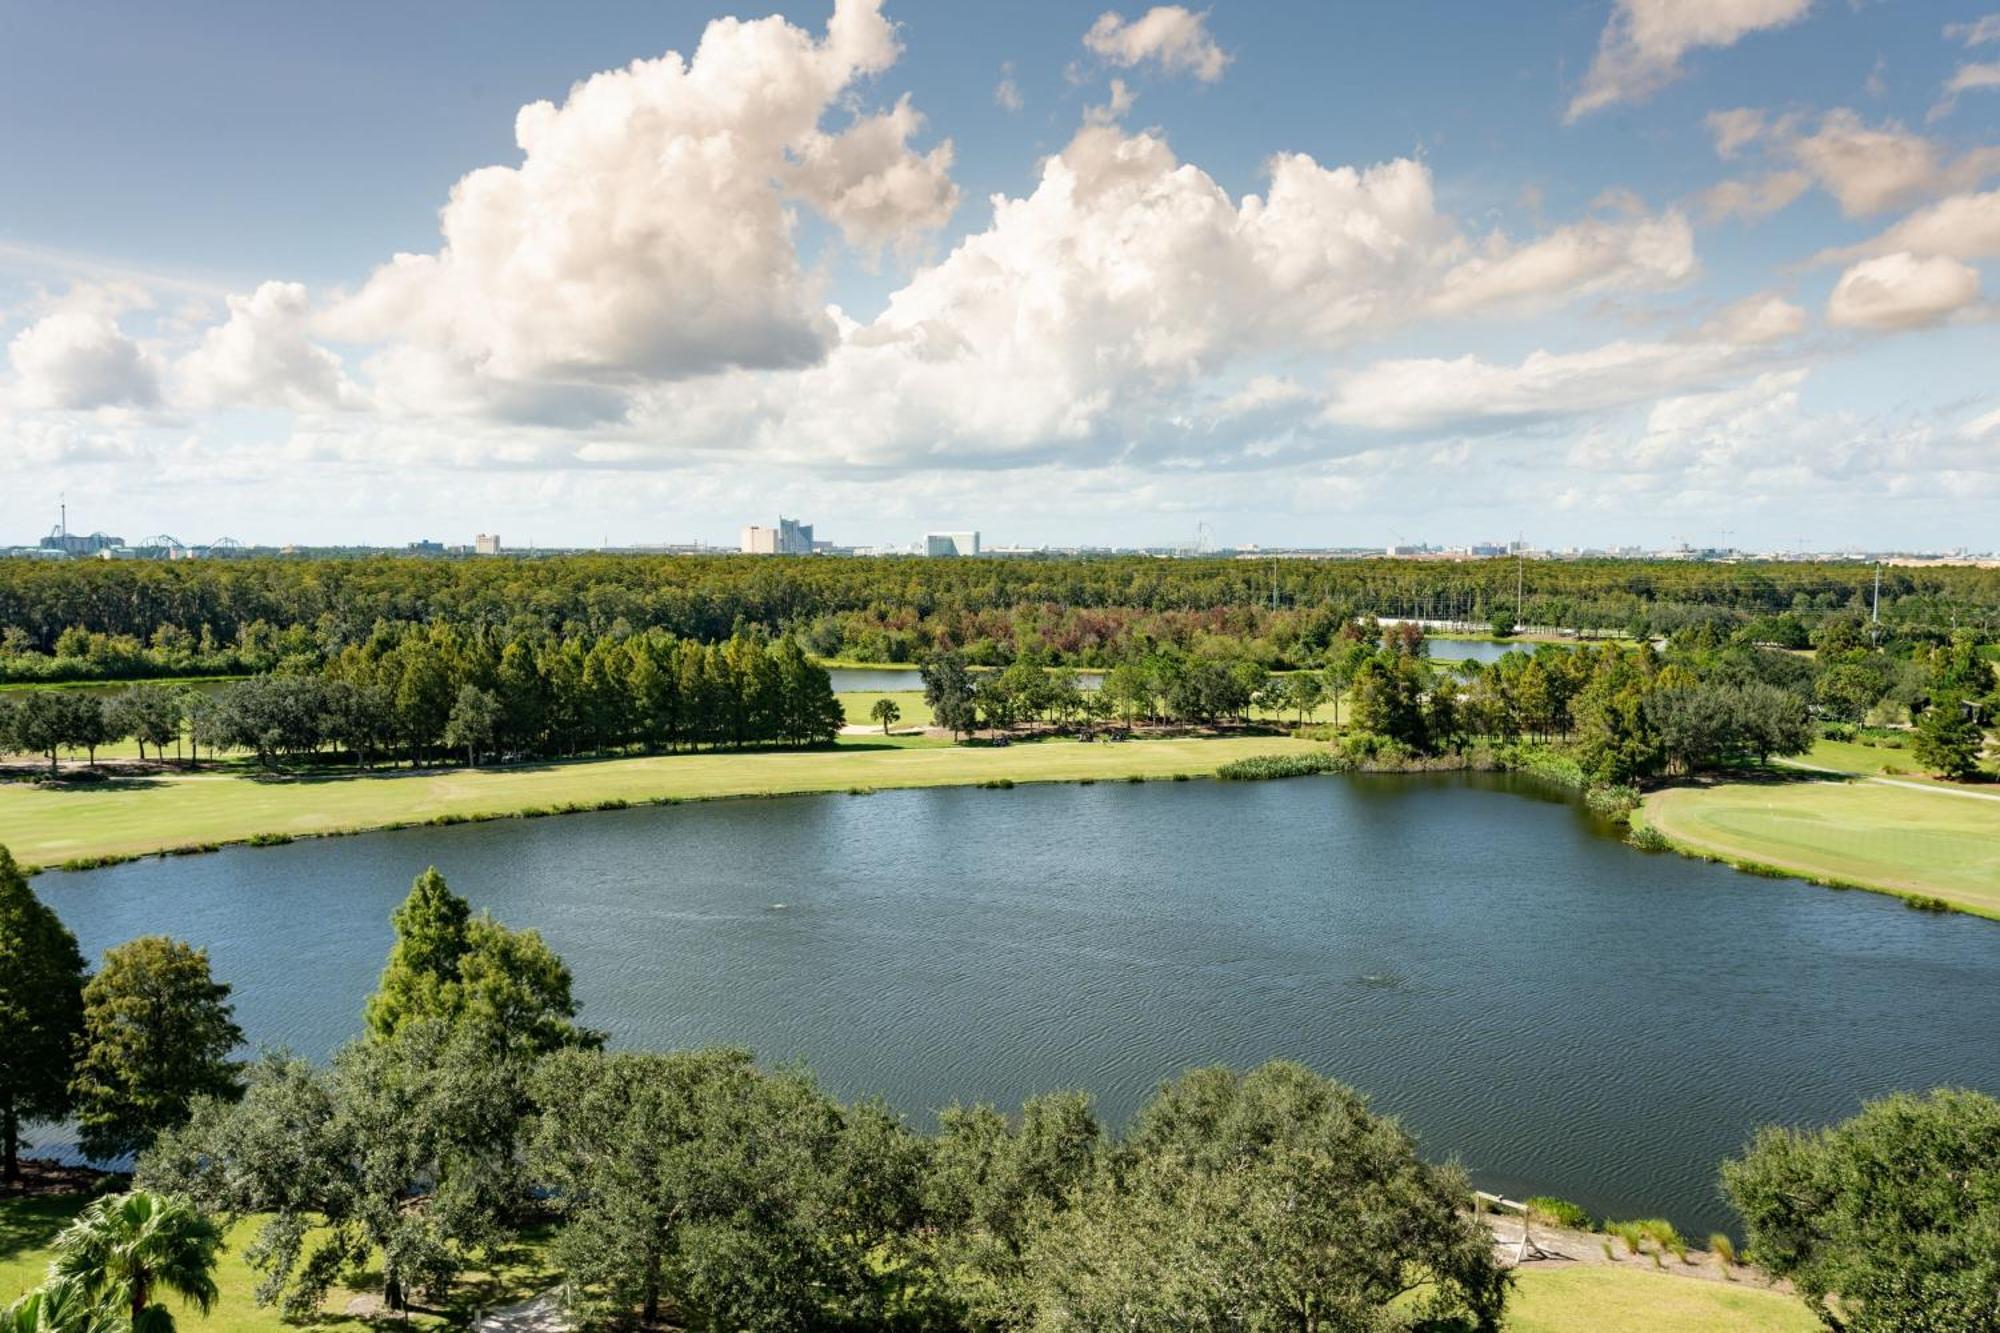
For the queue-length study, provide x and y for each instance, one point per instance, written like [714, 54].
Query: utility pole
[1875, 614]
[1520, 576]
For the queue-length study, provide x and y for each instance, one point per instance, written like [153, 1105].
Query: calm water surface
[1560, 1012]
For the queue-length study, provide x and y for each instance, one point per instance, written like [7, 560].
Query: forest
[110, 620]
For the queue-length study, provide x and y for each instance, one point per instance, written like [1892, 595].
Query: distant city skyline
[1618, 273]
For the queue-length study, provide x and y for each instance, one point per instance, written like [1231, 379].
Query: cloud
[1756, 320]
[1170, 36]
[1115, 109]
[869, 182]
[1638, 253]
[1087, 321]
[1901, 291]
[1735, 128]
[76, 358]
[1982, 427]
[1964, 226]
[1871, 169]
[1755, 198]
[1978, 32]
[1641, 48]
[261, 356]
[1007, 93]
[1966, 79]
[646, 234]
[1468, 393]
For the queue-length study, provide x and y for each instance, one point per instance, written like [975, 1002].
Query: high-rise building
[951, 543]
[486, 543]
[790, 537]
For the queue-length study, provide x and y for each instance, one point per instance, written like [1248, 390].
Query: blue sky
[1600, 272]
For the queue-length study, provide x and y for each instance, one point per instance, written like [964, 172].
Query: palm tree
[886, 712]
[126, 1247]
[60, 1305]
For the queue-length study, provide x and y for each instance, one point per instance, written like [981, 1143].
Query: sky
[1594, 273]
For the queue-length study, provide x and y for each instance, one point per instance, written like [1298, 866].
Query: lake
[1559, 1011]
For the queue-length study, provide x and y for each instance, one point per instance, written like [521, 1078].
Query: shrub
[1612, 801]
[1648, 839]
[1628, 1232]
[1558, 1212]
[1724, 1250]
[1918, 902]
[998, 784]
[268, 839]
[1264, 767]
[1662, 1233]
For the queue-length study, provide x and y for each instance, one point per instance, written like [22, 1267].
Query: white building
[486, 543]
[790, 537]
[951, 543]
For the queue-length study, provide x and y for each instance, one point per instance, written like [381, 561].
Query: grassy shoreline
[193, 812]
[1930, 850]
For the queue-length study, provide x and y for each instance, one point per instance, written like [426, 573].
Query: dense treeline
[696, 1190]
[127, 620]
[424, 693]
[1704, 701]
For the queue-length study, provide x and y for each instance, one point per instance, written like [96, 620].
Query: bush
[1264, 767]
[1724, 1250]
[1613, 801]
[1558, 1212]
[1648, 839]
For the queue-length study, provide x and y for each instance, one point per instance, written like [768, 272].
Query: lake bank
[197, 811]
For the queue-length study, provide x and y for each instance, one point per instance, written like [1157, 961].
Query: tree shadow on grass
[30, 1222]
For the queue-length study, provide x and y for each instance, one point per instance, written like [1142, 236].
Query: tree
[452, 966]
[406, 1152]
[1272, 1200]
[151, 714]
[474, 721]
[1947, 740]
[41, 1011]
[885, 711]
[949, 692]
[41, 725]
[1846, 692]
[1886, 1221]
[157, 1033]
[87, 723]
[739, 1199]
[128, 1249]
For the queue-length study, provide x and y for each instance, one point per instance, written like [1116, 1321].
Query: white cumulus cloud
[76, 357]
[1174, 38]
[646, 233]
[1901, 291]
[262, 356]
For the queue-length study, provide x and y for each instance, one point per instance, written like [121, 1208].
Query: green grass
[1872, 761]
[1623, 1298]
[27, 1226]
[48, 827]
[1863, 834]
